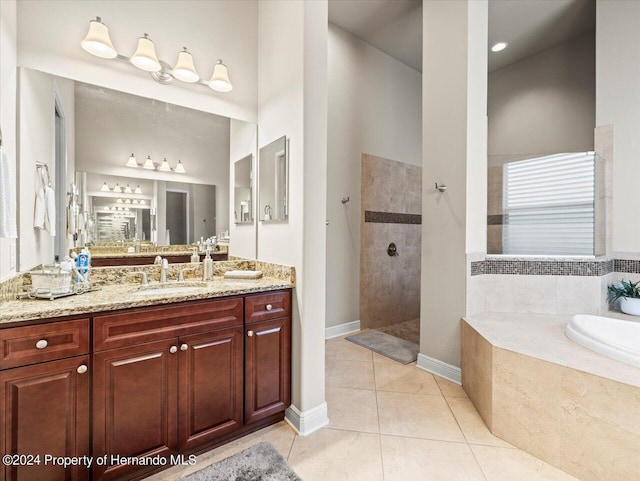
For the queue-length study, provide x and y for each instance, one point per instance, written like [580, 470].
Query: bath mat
[261, 462]
[389, 346]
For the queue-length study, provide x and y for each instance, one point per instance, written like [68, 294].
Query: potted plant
[629, 294]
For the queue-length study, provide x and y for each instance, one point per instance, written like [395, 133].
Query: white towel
[7, 199]
[39, 212]
[50, 217]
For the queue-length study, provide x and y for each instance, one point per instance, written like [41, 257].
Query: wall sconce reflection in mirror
[273, 181]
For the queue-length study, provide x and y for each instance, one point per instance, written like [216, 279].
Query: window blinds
[548, 205]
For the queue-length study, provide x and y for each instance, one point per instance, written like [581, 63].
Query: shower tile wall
[389, 286]
[494, 210]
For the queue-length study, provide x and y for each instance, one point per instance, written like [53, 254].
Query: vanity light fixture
[127, 190]
[119, 201]
[117, 189]
[148, 164]
[127, 201]
[499, 47]
[98, 42]
[164, 167]
[138, 190]
[105, 188]
[132, 162]
[134, 201]
[180, 168]
[142, 202]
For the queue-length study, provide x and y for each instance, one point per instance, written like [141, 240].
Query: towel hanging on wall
[44, 216]
[7, 199]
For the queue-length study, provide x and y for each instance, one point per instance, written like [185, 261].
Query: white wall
[545, 103]
[8, 87]
[618, 103]
[292, 95]
[50, 31]
[454, 150]
[374, 108]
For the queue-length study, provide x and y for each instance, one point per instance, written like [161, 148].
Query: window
[549, 205]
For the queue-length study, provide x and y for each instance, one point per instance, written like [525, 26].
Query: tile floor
[390, 422]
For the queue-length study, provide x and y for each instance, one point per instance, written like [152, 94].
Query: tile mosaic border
[564, 267]
[391, 217]
[628, 266]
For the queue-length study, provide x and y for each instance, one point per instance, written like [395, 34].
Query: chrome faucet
[143, 276]
[187, 269]
[163, 270]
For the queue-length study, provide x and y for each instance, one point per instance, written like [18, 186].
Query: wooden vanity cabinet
[267, 378]
[44, 403]
[172, 394]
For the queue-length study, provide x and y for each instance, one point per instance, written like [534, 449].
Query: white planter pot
[630, 305]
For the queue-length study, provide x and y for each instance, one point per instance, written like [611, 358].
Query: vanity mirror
[242, 191]
[274, 181]
[120, 199]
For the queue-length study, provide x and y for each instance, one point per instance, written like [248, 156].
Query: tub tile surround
[550, 397]
[391, 212]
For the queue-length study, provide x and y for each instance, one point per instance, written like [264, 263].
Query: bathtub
[614, 338]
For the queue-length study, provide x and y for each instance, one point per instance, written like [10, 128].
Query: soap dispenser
[195, 257]
[208, 267]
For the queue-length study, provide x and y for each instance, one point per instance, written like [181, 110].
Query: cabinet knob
[184, 347]
[173, 349]
[269, 307]
[42, 343]
[250, 333]
[82, 369]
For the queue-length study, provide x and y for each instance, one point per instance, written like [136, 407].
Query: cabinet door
[210, 386]
[267, 368]
[134, 404]
[44, 410]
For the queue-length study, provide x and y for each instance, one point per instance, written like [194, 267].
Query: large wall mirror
[131, 170]
[543, 175]
[274, 181]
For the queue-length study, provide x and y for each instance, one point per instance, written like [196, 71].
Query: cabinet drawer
[136, 326]
[267, 306]
[20, 346]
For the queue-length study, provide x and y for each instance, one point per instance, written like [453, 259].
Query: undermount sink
[169, 288]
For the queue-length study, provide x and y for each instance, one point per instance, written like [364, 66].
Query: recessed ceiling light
[498, 47]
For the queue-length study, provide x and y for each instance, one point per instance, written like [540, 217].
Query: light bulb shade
[117, 188]
[185, 70]
[220, 78]
[119, 201]
[145, 57]
[127, 201]
[97, 42]
[164, 167]
[105, 188]
[142, 202]
[132, 162]
[138, 190]
[180, 167]
[148, 164]
[127, 190]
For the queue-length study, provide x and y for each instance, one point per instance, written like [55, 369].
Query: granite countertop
[123, 296]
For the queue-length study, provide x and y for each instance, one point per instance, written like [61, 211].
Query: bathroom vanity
[143, 381]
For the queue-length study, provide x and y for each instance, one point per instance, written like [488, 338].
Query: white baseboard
[309, 421]
[341, 329]
[439, 368]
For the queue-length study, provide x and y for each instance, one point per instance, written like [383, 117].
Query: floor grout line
[378, 416]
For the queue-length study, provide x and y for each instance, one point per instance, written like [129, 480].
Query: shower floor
[407, 330]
